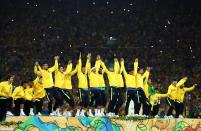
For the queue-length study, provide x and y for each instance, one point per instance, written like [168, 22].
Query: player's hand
[89, 55]
[122, 59]
[98, 57]
[56, 57]
[80, 56]
[36, 63]
[70, 61]
[185, 78]
[195, 85]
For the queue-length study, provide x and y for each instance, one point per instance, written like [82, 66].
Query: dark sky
[13, 4]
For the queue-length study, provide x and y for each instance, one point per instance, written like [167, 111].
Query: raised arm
[97, 63]
[36, 71]
[190, 89]
[73, 72]
[68, 67]
[181, 82]
[56, 65]
[37, 79]
[79, 65]
[135, 66]
[88, 64]
[37, 68]
[104, 67]
[147, 75]
[56, 69]
[116, 65]
[123, 67]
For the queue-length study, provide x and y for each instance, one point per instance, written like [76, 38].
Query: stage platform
[98, 124]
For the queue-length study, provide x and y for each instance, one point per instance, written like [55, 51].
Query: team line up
[123, 87]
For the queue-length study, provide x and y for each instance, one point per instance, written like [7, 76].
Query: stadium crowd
[164, 35]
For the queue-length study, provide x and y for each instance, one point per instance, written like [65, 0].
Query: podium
[47, 123]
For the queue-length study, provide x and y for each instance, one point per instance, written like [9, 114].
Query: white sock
[99, 111]
[31, 109]
[96, 111]
[9, 113]
[22, 112]
[82, 112]
[78, 112]
[57, 110]
[69, 113]
[102, 110]
[90, 112]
